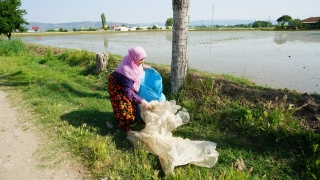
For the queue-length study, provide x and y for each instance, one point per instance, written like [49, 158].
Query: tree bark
[179, 64]
[101, 63]
[9, 35]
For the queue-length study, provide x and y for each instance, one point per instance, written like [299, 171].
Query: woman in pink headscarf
[123, 85]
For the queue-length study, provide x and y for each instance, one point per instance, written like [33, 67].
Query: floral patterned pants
[124, 109]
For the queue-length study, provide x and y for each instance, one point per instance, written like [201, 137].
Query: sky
[147, 11]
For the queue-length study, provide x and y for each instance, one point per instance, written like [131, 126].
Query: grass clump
[73, 106]
[78, 57]
[48, 56]
[13, 47]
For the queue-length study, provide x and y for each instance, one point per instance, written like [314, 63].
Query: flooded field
[289, 59]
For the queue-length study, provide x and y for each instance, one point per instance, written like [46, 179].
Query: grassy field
[61, 33]
[72, 106]
[77, 32]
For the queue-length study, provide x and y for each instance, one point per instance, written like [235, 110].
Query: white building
[121, 28]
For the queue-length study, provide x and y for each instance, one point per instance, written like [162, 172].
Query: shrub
[78, 57]
[13, 47]
[48, 56]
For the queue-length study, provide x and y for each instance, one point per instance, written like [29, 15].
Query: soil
[306, 106]
[40, 50]
[24, 151]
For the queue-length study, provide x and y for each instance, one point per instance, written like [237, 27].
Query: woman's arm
[127, 84]
[133, 96]
[145, 66]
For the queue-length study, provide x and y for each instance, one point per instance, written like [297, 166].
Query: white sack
[157, 139]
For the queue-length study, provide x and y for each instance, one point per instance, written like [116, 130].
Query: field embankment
[275, 132]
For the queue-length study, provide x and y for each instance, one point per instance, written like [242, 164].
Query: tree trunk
[9, 35]
[101, 63]
[179, 64]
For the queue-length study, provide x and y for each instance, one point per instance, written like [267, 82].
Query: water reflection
[105, 43]
[283, 37]
[168, 37]
[280, 38]
[37, 37]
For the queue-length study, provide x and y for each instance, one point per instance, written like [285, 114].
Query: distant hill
[97, 24]
[229, 22]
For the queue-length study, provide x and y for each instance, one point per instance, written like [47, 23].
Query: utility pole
[268, 22]
[212, 15]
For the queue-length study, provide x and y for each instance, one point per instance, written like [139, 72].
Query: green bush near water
[78, 57]
[12, 47]
[74, 107]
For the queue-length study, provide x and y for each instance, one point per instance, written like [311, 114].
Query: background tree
[296, 22]
[259, 24]
[242, 25]
[11, 17]
[169, 22]
[284, 19]
[23, 29]
[179, 64]
[103, 21]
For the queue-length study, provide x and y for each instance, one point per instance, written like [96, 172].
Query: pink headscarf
[128, 66]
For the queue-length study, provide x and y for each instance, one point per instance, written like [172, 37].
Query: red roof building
[35, 28]
[311, 21]
[114, 27]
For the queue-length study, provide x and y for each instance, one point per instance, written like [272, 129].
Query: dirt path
[24, 154]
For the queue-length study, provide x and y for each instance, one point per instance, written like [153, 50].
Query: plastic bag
[151, 86]
[157, 138]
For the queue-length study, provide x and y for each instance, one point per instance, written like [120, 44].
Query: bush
[48, 56]
[13, 47]
[78, 57]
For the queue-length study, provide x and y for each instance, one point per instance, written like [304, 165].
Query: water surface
[289, 59]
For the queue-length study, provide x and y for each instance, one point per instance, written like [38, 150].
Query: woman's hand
[145, 104]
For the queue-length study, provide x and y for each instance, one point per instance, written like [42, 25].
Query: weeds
[78, 57]
[13, 47]
[48, 55]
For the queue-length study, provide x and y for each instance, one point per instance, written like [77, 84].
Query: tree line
[284, 22]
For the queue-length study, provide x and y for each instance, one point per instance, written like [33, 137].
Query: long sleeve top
[127, 85]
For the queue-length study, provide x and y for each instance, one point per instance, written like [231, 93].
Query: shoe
[109, 124]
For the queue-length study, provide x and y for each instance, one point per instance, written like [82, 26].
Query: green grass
[72, 106]
[11, 48]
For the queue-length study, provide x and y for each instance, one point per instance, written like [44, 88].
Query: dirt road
[25, 154]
